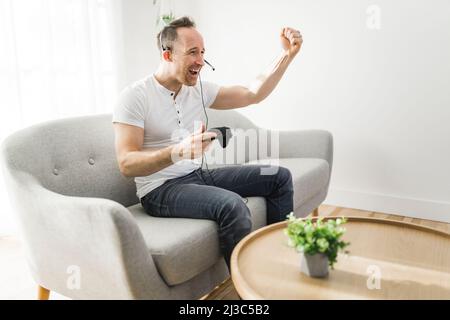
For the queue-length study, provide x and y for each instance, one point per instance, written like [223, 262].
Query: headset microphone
[209, 64]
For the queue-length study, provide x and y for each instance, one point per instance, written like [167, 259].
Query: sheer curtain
[58, 58]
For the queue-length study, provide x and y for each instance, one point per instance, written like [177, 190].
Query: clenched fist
[291, 41]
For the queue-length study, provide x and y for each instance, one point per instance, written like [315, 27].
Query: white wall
[382, 93]
[140, 29]
[138, 34]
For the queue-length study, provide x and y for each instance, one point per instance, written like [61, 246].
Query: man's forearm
[264, 84]
[146, 162]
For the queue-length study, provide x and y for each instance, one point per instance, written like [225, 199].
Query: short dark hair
[168, 35]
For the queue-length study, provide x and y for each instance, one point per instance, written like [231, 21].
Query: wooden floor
[226, 290]
[16, 281]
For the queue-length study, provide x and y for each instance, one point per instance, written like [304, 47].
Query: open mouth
[194, 72]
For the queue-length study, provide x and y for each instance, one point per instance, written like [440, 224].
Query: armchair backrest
[73, 157]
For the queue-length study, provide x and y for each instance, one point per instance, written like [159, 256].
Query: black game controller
[223, 135]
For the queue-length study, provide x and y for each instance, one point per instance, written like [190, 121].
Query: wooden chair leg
[315, 212]
[43, 294]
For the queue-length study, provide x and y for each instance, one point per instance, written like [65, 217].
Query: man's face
[187, 56]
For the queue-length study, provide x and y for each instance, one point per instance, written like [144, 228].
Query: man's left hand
[291, 41]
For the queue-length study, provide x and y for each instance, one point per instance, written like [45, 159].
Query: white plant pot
[314, 265]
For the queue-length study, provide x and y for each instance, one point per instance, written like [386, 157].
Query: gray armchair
[80, 218]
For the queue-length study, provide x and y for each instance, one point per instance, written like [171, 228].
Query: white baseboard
[410, 207]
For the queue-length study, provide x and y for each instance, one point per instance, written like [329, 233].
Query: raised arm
[240, 96]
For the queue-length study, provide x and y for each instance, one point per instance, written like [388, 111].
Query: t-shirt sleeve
[130, 107]
[210, 91]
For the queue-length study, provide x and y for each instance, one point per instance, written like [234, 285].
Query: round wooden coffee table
[387, 260]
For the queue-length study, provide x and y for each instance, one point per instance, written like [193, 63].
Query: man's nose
[200, 61]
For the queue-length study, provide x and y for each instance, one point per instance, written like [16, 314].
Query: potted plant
[317, 241]
[165, 12]
[167, 18]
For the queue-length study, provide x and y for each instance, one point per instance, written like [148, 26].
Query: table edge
[247, 293]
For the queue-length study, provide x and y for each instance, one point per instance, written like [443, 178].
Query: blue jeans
[219, 198]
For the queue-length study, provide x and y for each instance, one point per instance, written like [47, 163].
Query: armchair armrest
[86, 247]
[307, 144]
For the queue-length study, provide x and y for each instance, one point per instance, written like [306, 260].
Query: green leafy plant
[167, 18]
[312, 237]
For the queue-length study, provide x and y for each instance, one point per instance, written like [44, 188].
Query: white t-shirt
[149, 105]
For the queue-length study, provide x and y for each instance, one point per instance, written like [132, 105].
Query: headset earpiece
[166, 55]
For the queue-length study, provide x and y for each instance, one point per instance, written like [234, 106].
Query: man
[151, 114]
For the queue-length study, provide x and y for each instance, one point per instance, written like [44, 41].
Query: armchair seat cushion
[183, 248]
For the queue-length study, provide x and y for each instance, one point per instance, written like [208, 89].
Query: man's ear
[167, 55]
